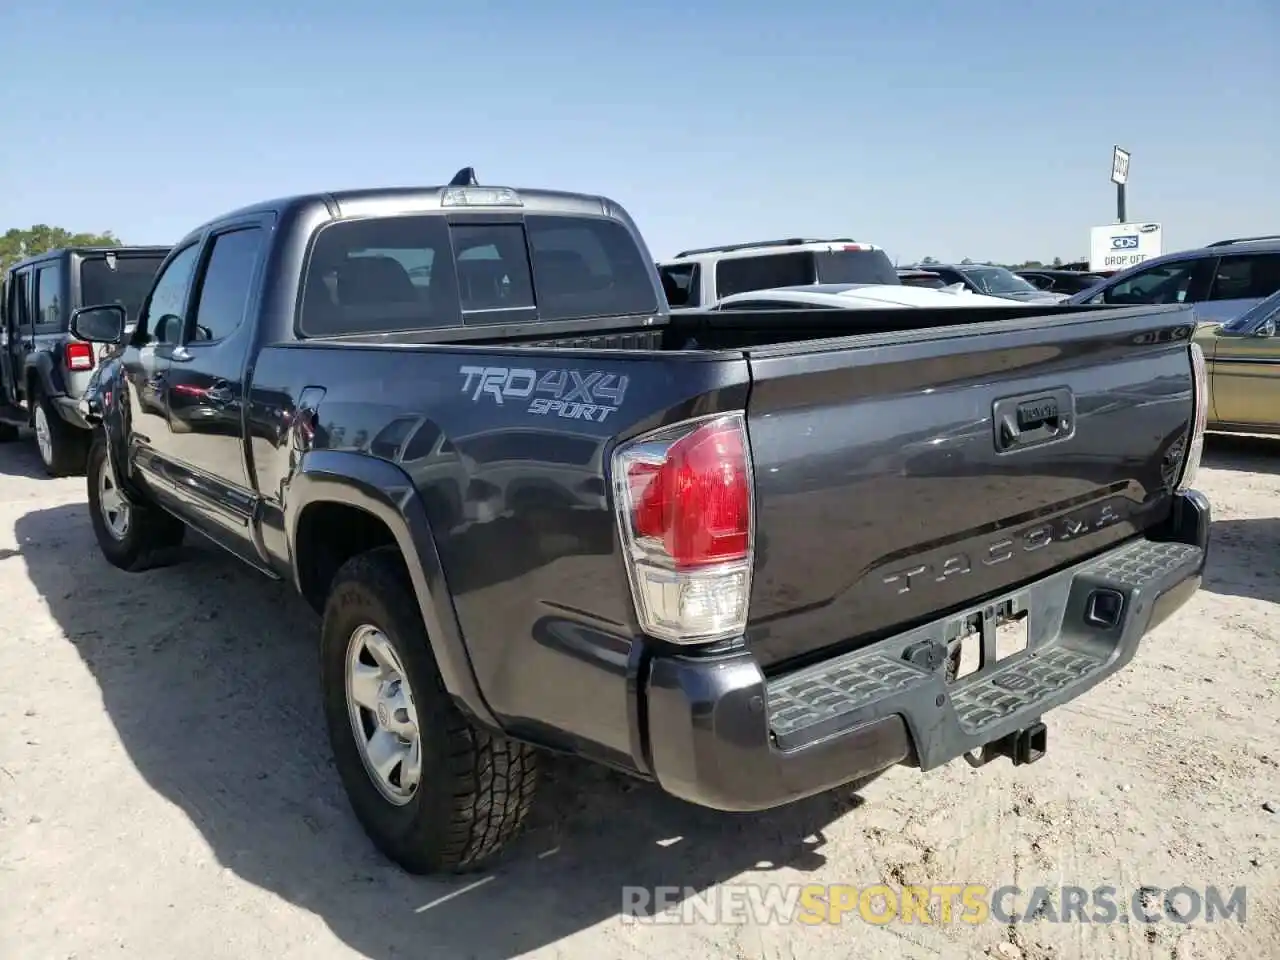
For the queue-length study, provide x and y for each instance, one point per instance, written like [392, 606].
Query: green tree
[17, 244]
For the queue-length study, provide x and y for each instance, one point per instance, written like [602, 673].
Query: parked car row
[1223, 283]
[712, 276]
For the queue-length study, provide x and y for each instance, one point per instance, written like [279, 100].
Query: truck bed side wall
[510, 470]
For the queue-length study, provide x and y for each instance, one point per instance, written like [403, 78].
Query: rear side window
[48, 294]
[767, 272]
[1246, 277]
[420, 273]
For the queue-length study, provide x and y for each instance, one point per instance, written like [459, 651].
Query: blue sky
[951, 129]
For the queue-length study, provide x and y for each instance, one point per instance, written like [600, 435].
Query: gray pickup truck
[748, 556]
[44, 371]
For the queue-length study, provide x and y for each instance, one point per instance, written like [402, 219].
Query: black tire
[151, 535]
[9, 433]
[69, 445]
[476, 787]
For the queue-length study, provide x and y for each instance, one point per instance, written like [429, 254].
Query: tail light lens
[685, 501]
[78, 355]
[1199, 420]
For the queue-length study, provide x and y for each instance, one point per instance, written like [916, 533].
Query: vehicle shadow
[21, 459]
[1242, 559]
[208, 673]
[1242, 453]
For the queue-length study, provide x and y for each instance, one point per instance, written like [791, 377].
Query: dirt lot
[166, 788]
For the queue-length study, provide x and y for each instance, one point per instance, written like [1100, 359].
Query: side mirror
[1267, 328]
[103, 324]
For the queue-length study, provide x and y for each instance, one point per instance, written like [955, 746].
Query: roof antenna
[466, 177]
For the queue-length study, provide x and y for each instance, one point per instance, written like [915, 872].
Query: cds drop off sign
[1118, 246]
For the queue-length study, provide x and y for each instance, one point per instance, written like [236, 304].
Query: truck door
[206, 390]
[146, 363]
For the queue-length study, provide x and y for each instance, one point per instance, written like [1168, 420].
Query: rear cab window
[118, 279]
[764, 272]
[856, 265]
[424, 272]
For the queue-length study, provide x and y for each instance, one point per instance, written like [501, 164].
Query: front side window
[1166, 283]
[48, 294]
[162, 314]
[1245, 276]
[997, 281]
[226, 285]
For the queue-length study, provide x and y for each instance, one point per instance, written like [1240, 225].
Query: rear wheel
[433, 792]
[8, 433]
[63, 448]
[132, 536]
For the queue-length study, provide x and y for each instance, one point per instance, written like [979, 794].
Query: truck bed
[882, 496]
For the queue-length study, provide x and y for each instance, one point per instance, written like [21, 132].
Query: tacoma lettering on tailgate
[906, 578]
[570, 394]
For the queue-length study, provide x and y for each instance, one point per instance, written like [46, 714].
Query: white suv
[700, 278]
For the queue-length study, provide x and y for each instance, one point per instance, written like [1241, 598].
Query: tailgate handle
[1029, 421]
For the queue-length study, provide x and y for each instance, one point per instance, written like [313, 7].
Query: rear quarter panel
[508, 453]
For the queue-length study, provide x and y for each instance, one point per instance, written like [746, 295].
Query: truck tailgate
[900, 476]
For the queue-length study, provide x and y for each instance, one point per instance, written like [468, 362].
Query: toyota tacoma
[749, 556]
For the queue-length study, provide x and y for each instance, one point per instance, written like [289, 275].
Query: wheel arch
[380, 502]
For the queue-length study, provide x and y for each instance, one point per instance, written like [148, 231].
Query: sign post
[1119, 176]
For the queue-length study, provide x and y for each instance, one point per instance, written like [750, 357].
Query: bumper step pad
[1066, 655]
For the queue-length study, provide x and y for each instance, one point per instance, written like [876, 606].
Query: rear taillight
[684, 498]
[1199, 420]
[78, 355]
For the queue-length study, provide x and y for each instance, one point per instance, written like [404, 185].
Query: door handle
[1029, 421]
[219, 394]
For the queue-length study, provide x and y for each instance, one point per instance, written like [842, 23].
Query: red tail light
[698, 500]
[684, 498]
[78, 355]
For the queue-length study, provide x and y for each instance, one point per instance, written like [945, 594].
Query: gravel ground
[166, 788]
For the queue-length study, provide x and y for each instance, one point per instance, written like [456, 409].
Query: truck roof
[395, 201]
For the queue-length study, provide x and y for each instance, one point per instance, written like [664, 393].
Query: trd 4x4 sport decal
[571, 394]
